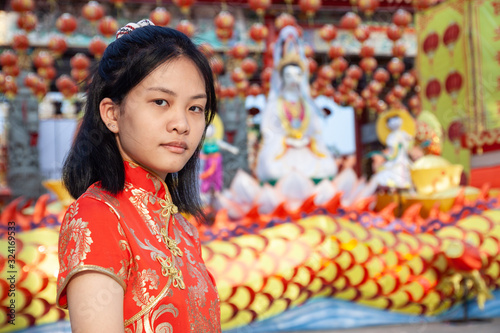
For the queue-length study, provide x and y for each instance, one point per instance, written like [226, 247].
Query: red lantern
[206, 49]
[10, 87]
[401, 18]
[380, 106]
[66, 23]
[265, 75]
[399, 91]
[57, 45]
[224, 20]
[368, 65]
[238, 75]
[258, 32]
[97, 47]
[423, 4]
[216, 64]
[31, 80]
[80, 61]
[310, 7]
[326, 72]
[351, 97]
[359, 105]
[453, 85]
[283, 20]
[186, 27]
[390, 98]
[308, 51]
[396, 67]
[259, 6]
[20, 42]
[339, 65]
[349, 82]
[224, 34]
[79, 75]
[456, 130]
[13, 71]
[254, 90]
[335, 51]
[381, 75]
[48, 73]
[399, 50]
[108, 26]
[328, 32]
[43, 59]
[350, 21]
[66, 86]
[343, 90]
[450, 36]
[249, 66]
[414, 103]
[185, 5]
[231, 92]
[407, 80]
[394, 32]
[27, 21]
[375, 88]
[431, 43]
[432, 92]
[21, 6]
[40, 89]
[366, 51]
[160, 16]
[312, 65]
[328, 91]
[339, 98]
[239, 51]
[362, 33]
[92, 11]
[368, 7]
[8, 58]
[354, 72]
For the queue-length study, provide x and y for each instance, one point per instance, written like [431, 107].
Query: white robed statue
[396, 129]
[290, 126]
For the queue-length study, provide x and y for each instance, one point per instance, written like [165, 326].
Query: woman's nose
[178, 122]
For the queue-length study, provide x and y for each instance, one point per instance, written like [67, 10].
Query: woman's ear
[109, 114]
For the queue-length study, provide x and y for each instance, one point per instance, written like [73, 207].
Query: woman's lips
[176, 147]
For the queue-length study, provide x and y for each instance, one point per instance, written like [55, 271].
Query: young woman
[129, 261]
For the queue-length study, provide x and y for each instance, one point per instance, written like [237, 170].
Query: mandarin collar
[146, 179]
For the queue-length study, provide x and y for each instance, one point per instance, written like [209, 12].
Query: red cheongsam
[138, 238]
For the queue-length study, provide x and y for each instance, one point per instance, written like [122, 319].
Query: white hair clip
[129, 27]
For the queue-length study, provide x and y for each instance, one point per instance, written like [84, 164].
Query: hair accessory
[129, 27]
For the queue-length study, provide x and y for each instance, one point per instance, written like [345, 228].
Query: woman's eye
[161, 102]
[196, 109]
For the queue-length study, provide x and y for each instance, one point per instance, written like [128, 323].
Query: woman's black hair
[94, 155]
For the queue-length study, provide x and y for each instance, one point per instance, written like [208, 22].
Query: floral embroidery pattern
[141, 287]
[78, 231]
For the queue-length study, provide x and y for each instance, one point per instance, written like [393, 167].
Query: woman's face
[162, 119]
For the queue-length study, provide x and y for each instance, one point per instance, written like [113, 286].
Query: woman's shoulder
[95, 201]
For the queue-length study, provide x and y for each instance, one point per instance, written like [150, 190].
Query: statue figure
[290, 125]
[396, 129]
[211, 176]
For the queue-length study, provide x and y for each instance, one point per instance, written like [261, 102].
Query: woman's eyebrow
[172, 93]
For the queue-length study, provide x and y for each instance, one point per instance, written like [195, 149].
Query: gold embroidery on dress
[140, 292]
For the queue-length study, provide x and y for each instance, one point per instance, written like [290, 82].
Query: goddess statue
[290, 125]
[396, 129]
